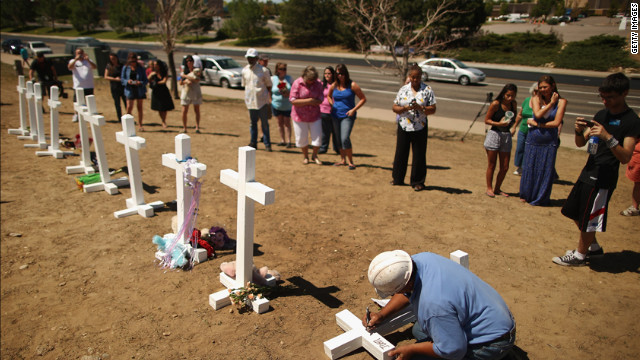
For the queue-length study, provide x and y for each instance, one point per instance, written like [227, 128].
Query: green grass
[600, 53]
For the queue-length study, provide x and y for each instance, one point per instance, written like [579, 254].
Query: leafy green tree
[129, 14]
[47, 9]
[247, 21]
[16, 12]
[62, 12]
[85, 14]
[504, 8]
[613, 9]
[308, 23]
[201, 24]
[542, 8]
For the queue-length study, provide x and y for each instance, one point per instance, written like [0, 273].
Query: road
[453, 100]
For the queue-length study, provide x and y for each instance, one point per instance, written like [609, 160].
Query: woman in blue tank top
[342, 96]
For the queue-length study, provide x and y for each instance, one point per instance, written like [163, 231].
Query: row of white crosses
[242, 181]
[357, 336]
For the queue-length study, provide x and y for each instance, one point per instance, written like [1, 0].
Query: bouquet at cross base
[242, 297]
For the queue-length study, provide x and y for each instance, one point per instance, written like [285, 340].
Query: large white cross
[248, 191]
[54, 148]
[357, 336]
[85, 165]
[97, 121]
[177, 162]
[31, 99]
[22, 101]
[37, 109]
[133, 143]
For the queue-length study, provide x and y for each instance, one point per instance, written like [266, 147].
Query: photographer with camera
[617, 127]
[82, 70]
[413, 103]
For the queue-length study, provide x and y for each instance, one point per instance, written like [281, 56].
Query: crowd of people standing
[316, 109]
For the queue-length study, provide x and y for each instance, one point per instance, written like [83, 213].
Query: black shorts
[87, 92]
[588, 206]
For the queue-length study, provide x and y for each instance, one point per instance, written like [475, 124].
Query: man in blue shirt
[459, 315]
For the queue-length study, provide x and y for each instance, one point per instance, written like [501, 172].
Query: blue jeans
[342, 129]
[522, 139]
[492, 351]
[263, 115]
[327, 132]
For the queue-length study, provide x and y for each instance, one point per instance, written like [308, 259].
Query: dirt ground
[81, 284]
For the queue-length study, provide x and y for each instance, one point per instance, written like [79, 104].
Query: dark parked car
[143, 55]
[12, 46]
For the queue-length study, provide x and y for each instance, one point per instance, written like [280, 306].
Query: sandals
[317, 161]
[305, 161]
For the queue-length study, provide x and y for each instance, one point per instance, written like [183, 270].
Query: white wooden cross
[54, 148]
[85, 165]
[177, 162]
[31, 99]
[357, 336]
[97, 121]
[133, 143]
[22, 101]
[248, 191]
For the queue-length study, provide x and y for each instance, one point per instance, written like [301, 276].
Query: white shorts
[302, 130]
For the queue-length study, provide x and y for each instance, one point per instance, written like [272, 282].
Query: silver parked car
[450, 70]
[222, 71]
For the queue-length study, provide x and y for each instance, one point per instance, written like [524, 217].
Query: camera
[489, 97]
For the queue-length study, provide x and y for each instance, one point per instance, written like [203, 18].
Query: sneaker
[75, 118]
[630, 211]
[268, 148]
[253, 145]
[591, 253]
[518, 172]
[569, 260]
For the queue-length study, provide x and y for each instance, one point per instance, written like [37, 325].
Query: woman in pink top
[306, 97]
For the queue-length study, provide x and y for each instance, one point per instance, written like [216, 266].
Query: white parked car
[222, 71]
[36, 47]
[450, 70]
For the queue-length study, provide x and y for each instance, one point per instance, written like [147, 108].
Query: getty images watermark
[634, 28]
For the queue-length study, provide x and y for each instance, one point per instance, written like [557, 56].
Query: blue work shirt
[455, 307]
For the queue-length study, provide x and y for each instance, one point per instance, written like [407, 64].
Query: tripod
[487, 101]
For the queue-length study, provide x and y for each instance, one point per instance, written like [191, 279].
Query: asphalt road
[453, 100]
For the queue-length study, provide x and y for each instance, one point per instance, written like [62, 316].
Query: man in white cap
[459, 315]
[257, 82]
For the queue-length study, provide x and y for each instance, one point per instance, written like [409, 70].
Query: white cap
[390, 271]
[251, 53]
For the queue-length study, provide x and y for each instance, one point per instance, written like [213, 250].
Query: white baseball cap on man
[251, 53]
[390, 271]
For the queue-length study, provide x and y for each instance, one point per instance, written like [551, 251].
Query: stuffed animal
[177, 254]
[259, 275]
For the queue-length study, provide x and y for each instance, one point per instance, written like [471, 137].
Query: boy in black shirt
[617, 128]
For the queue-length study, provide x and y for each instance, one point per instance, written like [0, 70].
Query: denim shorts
[276, 112]
[498, 141]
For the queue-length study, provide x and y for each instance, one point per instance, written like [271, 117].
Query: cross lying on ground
[357, 336]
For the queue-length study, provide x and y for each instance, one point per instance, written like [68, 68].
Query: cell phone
[590, 123]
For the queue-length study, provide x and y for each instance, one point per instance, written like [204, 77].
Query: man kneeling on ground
[459, 315]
